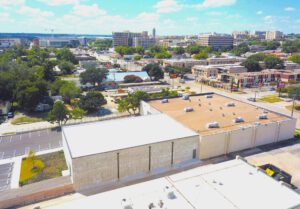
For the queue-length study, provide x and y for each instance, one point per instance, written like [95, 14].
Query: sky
[169, 17]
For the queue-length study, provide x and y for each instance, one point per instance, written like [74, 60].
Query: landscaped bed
[297, 107]
[270, 99]
[38, 168]
[25, 119]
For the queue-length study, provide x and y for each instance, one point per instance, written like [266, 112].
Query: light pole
[293, 108]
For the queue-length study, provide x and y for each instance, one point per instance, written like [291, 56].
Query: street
[21, 144]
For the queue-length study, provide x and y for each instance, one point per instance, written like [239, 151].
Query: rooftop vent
[257, 123]
[213, 125]
[230, 104]
[209, 96]
[188, 109]
[164, 101]
[126, 204]
[185, 97]
[263, 117]
[239, 120]
[170, 193]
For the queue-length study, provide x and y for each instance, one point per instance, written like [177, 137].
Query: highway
[20, 144]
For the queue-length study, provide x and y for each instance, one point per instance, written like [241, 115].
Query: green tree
[240, 49]
[132, 102]
[140, 50]
[193, 49]
[66, 55]
[66, 67]
[252, 65]
[154, 71]
[132, 79]
[295, 58]
[201, 55]
[120, 50]
[137, 57]
[162, 55]
[68, 91]
[59, 114]
[179, 50]
[273, 62]
[78, 113]
[291, 46]
[93, 76]
[92, 101]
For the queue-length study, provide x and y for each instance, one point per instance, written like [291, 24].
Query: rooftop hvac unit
[263, 117]
[185, 97]
[230, 104]
[213, 125]
[239, 120]
[209, 96]
[188, 109]
[257, 123]
[170, 193]
[126, 204]
[164, 101]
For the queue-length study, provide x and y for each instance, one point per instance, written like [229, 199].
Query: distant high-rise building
[216, 40]
[258, 34]
[154, 33]
[132, 39]
[240, 34]
[273, 35]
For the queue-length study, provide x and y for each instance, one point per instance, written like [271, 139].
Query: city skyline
[170, 17]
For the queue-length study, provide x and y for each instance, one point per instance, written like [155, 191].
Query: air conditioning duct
[188, 109]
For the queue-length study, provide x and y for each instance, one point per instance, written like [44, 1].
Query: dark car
[10, 114]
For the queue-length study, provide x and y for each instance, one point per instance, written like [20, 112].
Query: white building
[273, 35]
[116, 151]
[230, 185]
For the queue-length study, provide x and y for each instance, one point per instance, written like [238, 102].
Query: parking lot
[5, 176]
[20, 144]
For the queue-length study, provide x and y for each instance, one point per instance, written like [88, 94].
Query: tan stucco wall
[266, 134]
[240, 139]
[287, 129]
[212, 145]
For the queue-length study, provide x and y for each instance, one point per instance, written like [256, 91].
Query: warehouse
[224, 125]
[232, 184]
[103, 153]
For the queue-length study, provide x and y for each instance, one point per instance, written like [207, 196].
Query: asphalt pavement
[5, 176]
[20, 144]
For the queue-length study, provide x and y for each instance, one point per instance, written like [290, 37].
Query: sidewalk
[9, 129]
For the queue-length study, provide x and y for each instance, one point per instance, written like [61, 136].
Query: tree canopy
[91, 102]
[154, 71]
[131, 103]
[93, 76]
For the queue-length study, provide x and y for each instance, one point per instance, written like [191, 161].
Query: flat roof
[213, 110]
[228, 185]
[111, 135]
[119, 76]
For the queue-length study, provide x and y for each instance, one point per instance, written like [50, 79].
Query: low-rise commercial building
[8, 42]
[223, 124]
[117, 150]
[232, 184]
[184, 63]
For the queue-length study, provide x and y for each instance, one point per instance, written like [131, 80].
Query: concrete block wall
[134, 163]
[213, 145]
[246, 137]
[266, 134]
[240, 139]
[287, 129]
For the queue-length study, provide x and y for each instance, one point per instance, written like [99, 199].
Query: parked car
[10, 114]
[251, 99]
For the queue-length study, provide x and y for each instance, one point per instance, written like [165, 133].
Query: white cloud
[269, 19]
[36, 12]
[259, 12]
[59, 2]
[144, 16]
[88, 10]
[289, 9]
[167, 6]
[214, 13]
[6, 3]
[214, 3]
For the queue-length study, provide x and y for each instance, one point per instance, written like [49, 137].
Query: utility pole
[293, 108]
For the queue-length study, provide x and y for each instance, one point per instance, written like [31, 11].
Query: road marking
[15, 153]
[49, 146]
[10, 138]
[39, 147]
[29, 134]
[20, 137]
[39, 133]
